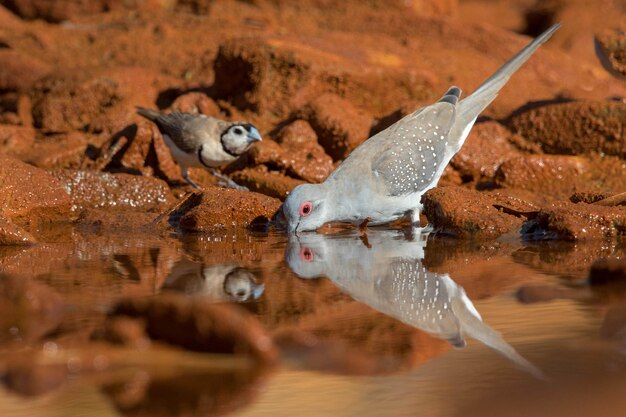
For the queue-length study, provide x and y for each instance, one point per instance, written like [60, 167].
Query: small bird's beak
[254, 136]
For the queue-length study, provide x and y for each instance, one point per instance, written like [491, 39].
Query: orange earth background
[317, 78]
[547, 160]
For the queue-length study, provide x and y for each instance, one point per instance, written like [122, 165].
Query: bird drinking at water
[384, 178]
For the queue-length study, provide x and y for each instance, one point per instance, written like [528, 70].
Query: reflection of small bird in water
[384, 178]
[196, 140]
[389, 276]
[219, 282]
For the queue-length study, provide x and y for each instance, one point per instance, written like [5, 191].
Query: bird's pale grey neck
[340, 203]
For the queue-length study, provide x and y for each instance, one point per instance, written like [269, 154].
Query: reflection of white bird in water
[389, 277]
[220, 282]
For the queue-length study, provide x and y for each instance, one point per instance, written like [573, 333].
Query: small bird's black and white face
[238, 137]
[240, 285]
[304, 208]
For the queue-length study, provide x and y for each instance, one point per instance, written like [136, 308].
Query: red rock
[266, 152]
[303, 157]
[31, 379]
[530, 294]
[92, 189]
[589, 197]
[194, 6]
[326, 355]
[102, 101]
[564, 220]
[297, 154]
[210, 392]
[138, 148]
[614, 322]
[608, 270]
[487, 146]
[340, 127]
[116, 221]
[18, 71]
[196, 102]
[575, 128]
[60, 10]
[553, 176]
[254, 75]
[611, 48]
[200, 325]
[28, 194]
[270, 183]
[485, 217]
[16, 109]
[28, 310]
[125, 331]
[63, 150]
[11, 234]
[221, 208]
[16, 140]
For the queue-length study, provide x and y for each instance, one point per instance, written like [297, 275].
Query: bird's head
[305, 208]
[310, 255]
[240, 285]
[237, 138]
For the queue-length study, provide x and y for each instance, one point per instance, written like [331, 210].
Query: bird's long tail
[473, 326]
[151, 115]
[472, 106]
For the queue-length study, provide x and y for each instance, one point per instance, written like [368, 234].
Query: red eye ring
[305, 208]
[306, 254]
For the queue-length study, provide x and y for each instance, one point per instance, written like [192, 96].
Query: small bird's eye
[238, 131]
[306, 208]
[306, 254]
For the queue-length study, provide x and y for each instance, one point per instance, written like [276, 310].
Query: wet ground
[395, 323]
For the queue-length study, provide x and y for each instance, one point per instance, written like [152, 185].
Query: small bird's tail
[151, 115]
[473, 105]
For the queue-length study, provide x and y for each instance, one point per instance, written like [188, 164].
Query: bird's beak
[254, 136]
[258, 291]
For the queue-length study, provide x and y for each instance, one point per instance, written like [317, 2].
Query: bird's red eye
[306, 254]
[306, 208]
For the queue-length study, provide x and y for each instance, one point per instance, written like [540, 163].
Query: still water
[391, 323]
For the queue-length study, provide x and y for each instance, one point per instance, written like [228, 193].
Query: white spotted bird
[384, 178]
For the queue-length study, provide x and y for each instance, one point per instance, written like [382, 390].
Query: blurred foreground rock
[200, 325]
[28, 310]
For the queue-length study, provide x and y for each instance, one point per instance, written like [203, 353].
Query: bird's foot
[363, 233]
[232, 184]
[421, 233]
[191, 182]
[227, 182]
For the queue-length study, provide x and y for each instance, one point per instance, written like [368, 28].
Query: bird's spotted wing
[186, 130]
[414, 149]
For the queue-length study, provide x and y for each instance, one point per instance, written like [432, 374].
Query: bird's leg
[417, 226]
[227, 182]
[363, 233]
[185, 173]
[415, 217]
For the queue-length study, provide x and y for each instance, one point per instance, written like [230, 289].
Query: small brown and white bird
[196, 140]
